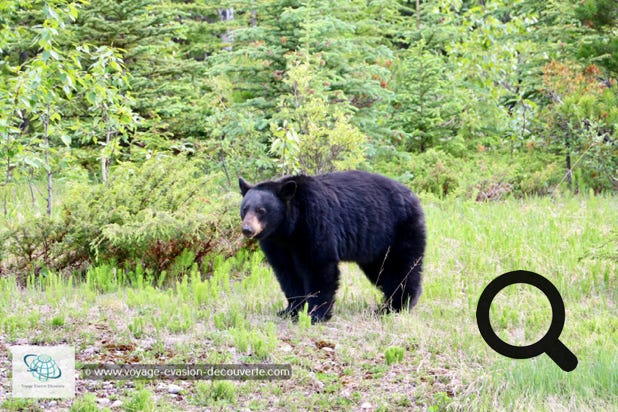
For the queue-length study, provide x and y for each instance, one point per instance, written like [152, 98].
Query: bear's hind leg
[400, 280]
[372, 270]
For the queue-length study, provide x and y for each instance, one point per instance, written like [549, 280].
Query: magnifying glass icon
[549, 344]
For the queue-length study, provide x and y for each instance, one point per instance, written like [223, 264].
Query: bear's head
[264, 207]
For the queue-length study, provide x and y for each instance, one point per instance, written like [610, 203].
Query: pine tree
[165, 72]
[601, 42]
[349, 62]
[425, 109]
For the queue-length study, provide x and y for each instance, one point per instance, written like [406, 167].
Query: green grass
[432, 358]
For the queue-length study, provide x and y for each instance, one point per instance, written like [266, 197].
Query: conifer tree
[165, 82]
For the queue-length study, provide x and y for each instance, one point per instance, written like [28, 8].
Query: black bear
[306, 225]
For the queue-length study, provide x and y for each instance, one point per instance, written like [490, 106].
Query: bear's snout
[251, 226]
[247, 230]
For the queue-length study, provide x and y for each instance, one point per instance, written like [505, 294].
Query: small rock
[317, 385]
[116, 404]
[51, 404]
[174, 389]
[88, 352]
[148, 343]
[103, 402]
[366, 405]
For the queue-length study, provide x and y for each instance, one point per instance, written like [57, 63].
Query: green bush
[494, 175]
[483, 176]
[539, 176]
[34, 244]
[154, 215]
[435, 171]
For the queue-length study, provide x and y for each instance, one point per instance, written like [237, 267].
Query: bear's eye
[245, 209]
[260, 211]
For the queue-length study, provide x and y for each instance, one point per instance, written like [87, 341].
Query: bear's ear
[244, 186]
[287, 190]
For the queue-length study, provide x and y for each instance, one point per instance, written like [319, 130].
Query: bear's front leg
[321, 283]
[290, 280]
[292, 287]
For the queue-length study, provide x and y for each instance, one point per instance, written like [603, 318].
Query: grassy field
[432, 358]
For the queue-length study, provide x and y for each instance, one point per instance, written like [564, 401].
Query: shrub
[483, 176]
[34, 244]
[435, 171]
[496, 175]
[151, 215]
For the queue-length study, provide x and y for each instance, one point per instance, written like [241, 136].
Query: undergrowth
[163, 214]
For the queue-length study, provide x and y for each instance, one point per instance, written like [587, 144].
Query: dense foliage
[160, 214]
[479, 99]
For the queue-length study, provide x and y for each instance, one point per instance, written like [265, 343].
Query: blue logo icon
[42, 367]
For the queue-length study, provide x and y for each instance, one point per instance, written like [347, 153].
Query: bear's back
[358, 211]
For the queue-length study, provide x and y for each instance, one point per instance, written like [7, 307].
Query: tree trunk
[7, 177]
[47, 164]
[227, 36]
[418, 14]
[569, 172]
[31, 187]
[227, 175]
[104, 160]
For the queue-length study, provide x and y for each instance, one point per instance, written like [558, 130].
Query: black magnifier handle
[562, 356]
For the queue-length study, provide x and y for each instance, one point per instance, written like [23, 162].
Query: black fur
[310, 224]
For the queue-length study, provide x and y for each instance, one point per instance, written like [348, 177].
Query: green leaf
[66, 140]
[91, 97]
